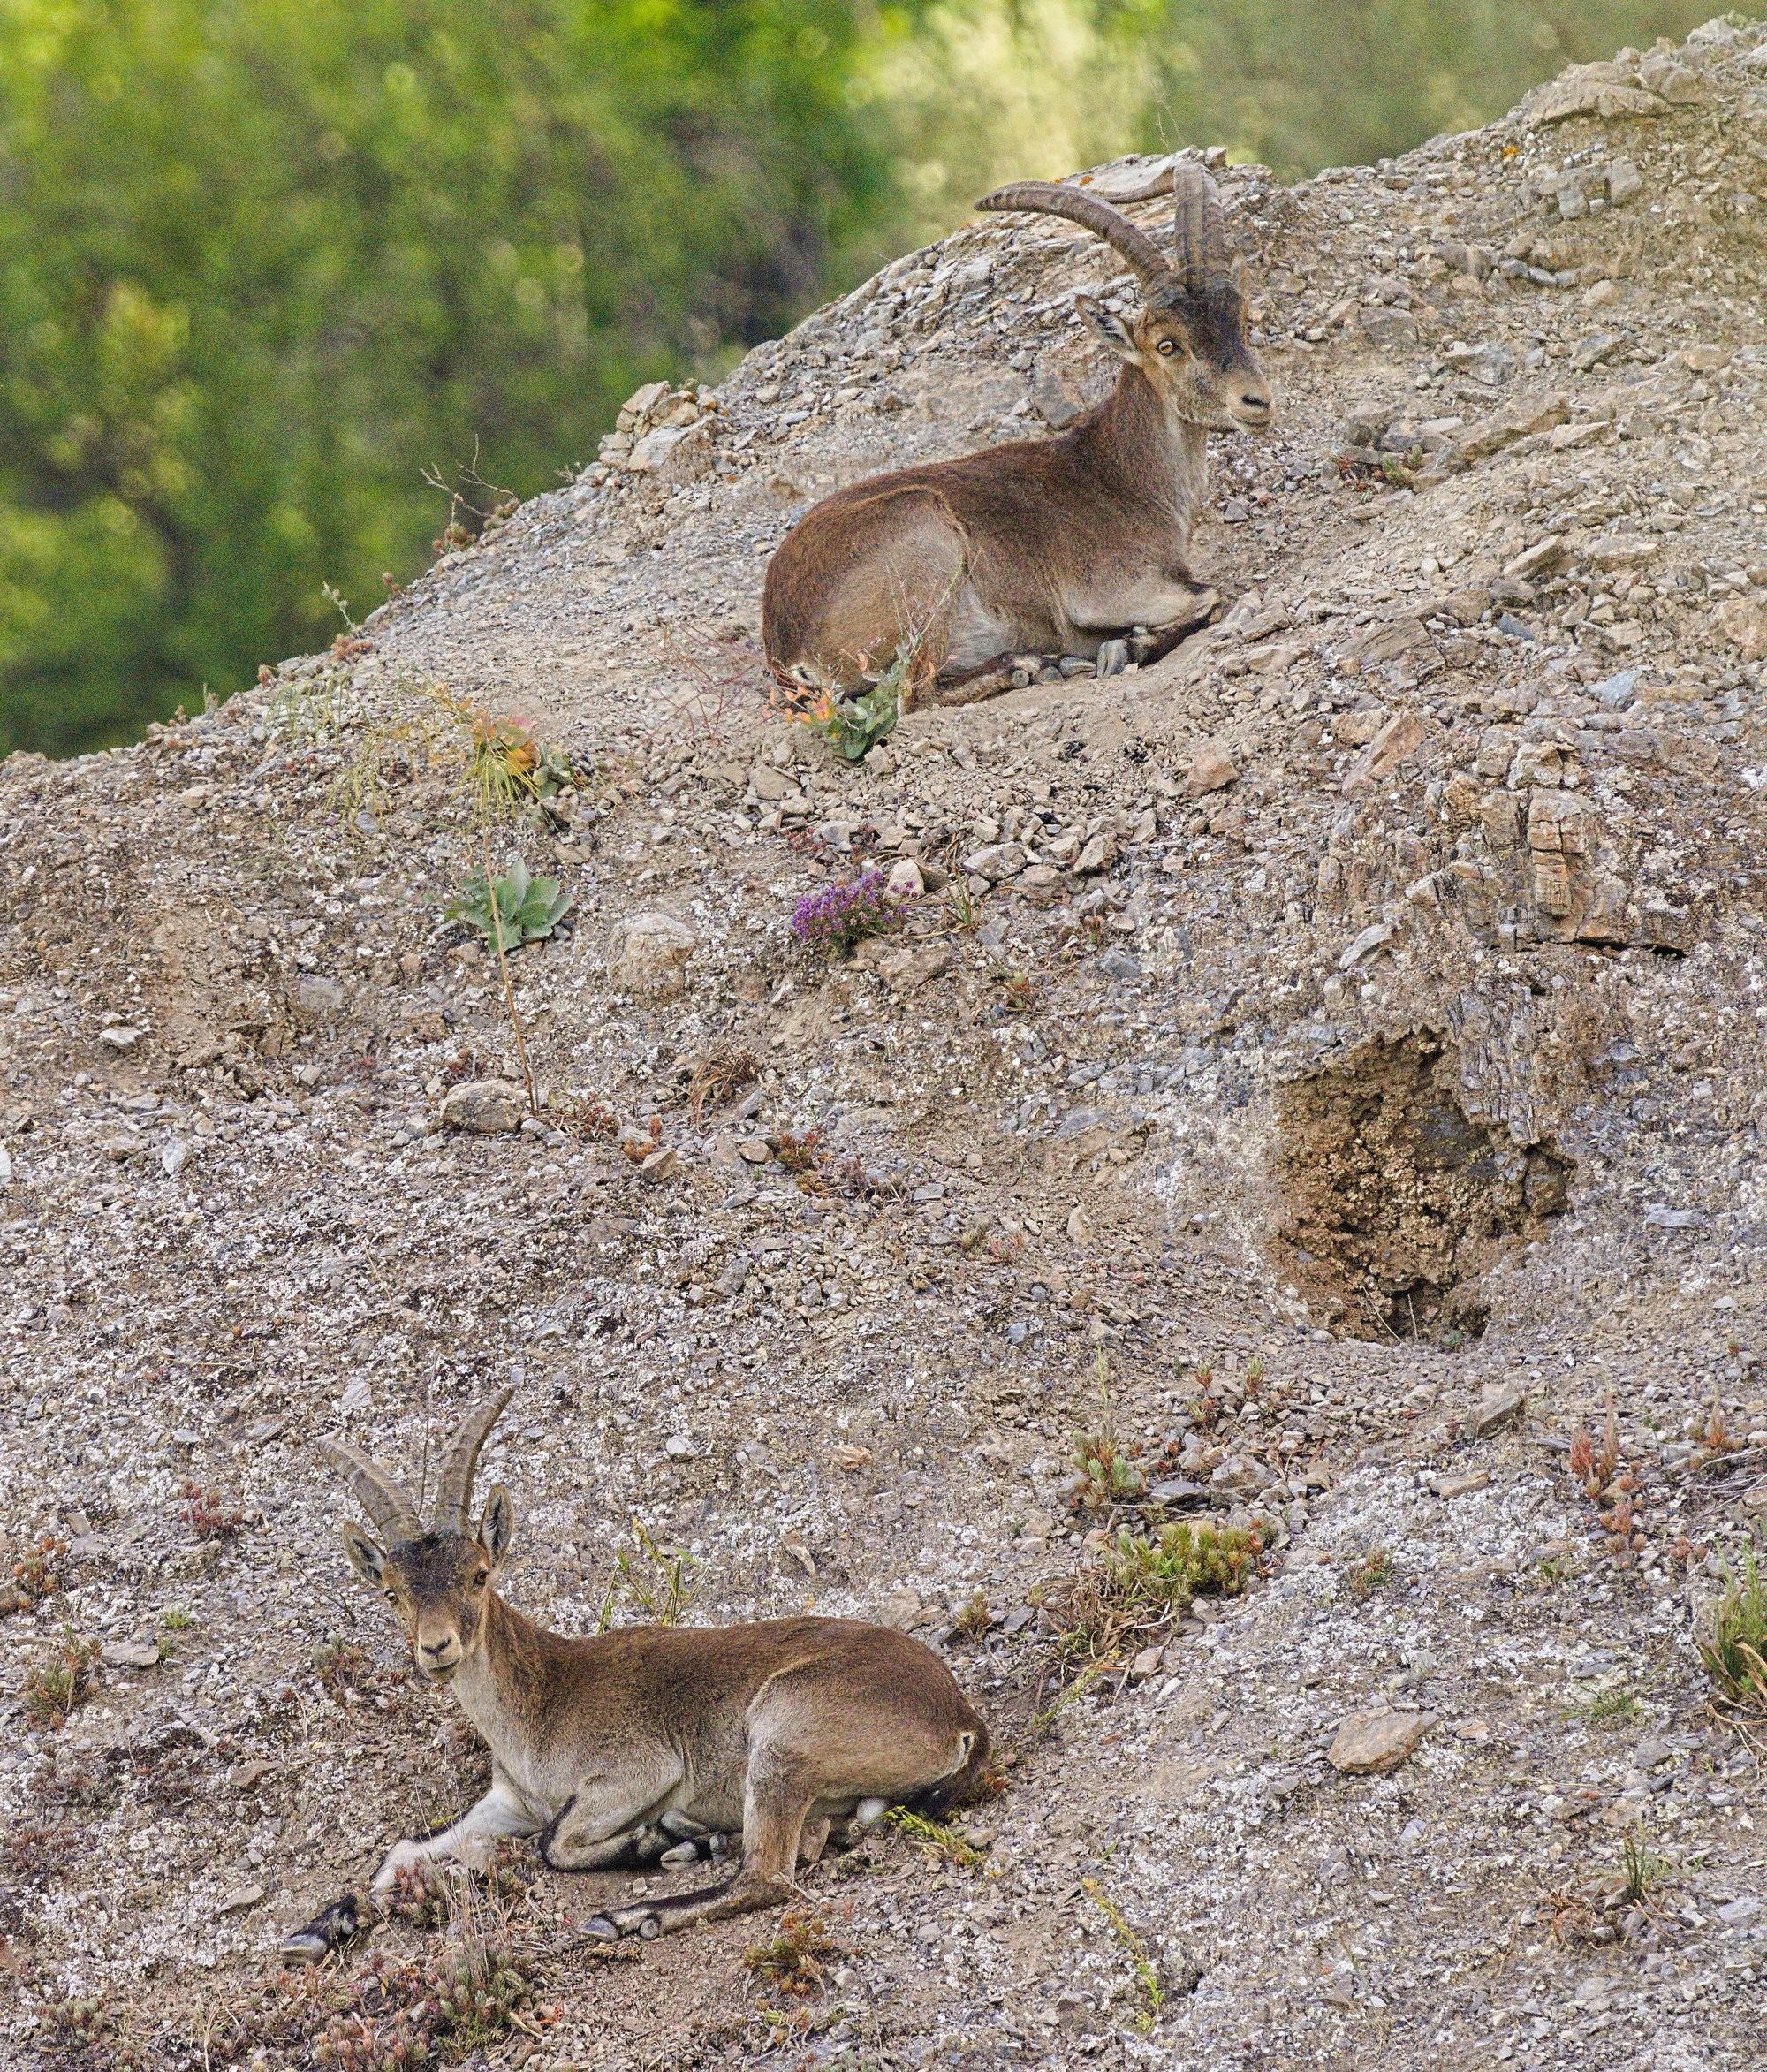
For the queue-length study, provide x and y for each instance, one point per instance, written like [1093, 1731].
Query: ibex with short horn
[1054, 545]
[607, 1747]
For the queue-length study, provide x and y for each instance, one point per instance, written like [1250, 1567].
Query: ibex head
[1188, 338]
[437, 1580]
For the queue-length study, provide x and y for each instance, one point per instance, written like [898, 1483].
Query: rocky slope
[1338, 1044]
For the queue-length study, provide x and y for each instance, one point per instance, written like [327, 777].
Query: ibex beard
[609, 1748]
[1055, 546]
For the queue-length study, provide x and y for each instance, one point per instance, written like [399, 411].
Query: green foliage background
[265, 263]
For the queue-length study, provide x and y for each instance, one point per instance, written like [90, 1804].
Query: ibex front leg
[501, 1811]
[779, 1794]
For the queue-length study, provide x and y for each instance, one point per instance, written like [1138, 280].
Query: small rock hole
[1394, 1202]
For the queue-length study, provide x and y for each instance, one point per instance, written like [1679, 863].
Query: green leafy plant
[512, 909]
[37, 1574]
[510, 764]
[1104, 1473]
[1140, 1586]
[854, 726]
[797, 1959]
[1374, 1571]
[1734, 1646]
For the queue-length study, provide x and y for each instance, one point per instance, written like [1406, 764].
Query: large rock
[488, 1107]
[317, 999]
[1369, 1744]
[673, 452]
[1399, 737]
[1744, 624]
[1561, 833]
[650, 959]
[1608, 92]
[1210, 771]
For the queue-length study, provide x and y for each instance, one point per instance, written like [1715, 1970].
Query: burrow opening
[1394, 1203]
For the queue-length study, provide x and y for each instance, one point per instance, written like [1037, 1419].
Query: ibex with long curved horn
[608, 1749]
[1053, 545]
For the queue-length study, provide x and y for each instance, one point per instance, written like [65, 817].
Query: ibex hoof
[1113, 657]
[683, 1854]
[642, 1922]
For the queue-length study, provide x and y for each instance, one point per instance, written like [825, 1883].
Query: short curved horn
[1199, 228]
[392, 1512]
[454, 1500]
[1045, 198]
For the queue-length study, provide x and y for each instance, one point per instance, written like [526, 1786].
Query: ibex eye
[1166, 345]
[391, 1596]
[481, 1578]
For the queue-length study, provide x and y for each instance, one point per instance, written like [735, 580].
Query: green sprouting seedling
[1104, 1475]
[854, 726]
[965, 913]
[1372, 1572]
[1642, 1869]
[513, 909]
[85, 2021]
[1733, 1647]
[175, 1620]
[1612, 1707]
[1147, 1972]
[975, 1621]
[797, 1960]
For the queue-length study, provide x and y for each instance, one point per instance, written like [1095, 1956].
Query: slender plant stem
[508, 990]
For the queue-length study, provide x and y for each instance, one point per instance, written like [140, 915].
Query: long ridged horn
[454, 1500]
[394, 1514]
[1045, 198]
[1199, 229]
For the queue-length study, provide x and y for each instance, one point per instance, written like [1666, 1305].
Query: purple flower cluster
[841, 915]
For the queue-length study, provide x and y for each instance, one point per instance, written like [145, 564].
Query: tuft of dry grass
[722, 1073]
[59, 1685]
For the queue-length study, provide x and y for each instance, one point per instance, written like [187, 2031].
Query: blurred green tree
[978, 92]
[264, 261]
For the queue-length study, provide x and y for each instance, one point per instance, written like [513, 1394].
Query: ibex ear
[1108, 330]
[1240, 274]
[366, 1558]
[497, 1527]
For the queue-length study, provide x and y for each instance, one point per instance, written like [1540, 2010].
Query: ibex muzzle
[1055, 545]
[609, 1748]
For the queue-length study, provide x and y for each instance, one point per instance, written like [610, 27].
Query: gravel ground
[1328, 1058]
